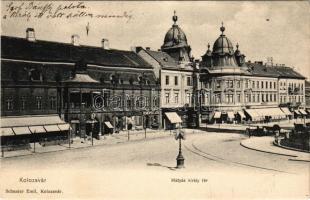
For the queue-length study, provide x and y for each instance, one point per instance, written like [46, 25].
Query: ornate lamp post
[180, 159]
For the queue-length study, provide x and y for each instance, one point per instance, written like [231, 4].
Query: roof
[259, 69]
[175, 36]
[163, 58]
[48, 51]
[82, 78]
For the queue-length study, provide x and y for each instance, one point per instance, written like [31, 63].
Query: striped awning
[241, 114]
[297, 112]
[108, 124]
[286, 111]
[51, 128]
[37, 129]
[217, 115]
[302, 111]
[230, 115]
[173, 117]
[64, 127]
[21, 130]
[6, 132]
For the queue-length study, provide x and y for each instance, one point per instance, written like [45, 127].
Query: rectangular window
[274, 97]
[176, 97]
[9, 103]
[238, 98]
[253, 98]
[189, 81]
[238, 84]
[246, 98]
[267, 99]
[270, 96]
[167, 97]
[257, 84]
[266, 84]
[23, 103]
[39, 102]
[253, 84]
[262, 84]
[176, 80]
[258, 97]
[217, 98]
[167, 80]
[52, 103]
[218, 84]
[188, 98]
[263, 97]
[270, 85]
[274, 85]
[229, 98]
[246, 84]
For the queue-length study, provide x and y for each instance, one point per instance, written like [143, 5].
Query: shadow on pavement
[159, 165]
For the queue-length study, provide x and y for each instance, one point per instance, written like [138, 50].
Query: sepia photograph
[155, 100]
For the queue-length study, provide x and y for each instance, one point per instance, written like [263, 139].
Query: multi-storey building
[230, 86]
[177, 75]
[82, 85]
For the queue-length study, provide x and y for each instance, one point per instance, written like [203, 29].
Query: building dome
[223, 45]
[175, 35]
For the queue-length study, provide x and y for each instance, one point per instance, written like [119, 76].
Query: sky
[263, 29]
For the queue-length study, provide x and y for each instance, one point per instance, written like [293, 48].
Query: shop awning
[286, 111]
[37, 129]
[64, 127]
[31, 120]
[51, 128]
[241, 114]
[276, 113]
[108, 124]
[21, 130]
[173, 117]
[6, 132]
[297, 112]
[217, 115]
[253, 114]
[302, 111]
[230, 115]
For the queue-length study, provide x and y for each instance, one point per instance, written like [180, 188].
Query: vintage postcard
[155, 100]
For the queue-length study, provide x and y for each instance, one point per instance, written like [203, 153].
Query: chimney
[75, 40]
[30, 36]
[105, 43]
[147, 48]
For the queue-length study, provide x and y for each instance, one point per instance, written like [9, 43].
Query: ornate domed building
[235, 90]
[178, 77]
[175, 43]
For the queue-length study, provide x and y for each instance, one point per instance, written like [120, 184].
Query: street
[216, 166]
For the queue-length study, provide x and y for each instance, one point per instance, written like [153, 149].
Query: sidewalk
[115, 138]
[265, 144]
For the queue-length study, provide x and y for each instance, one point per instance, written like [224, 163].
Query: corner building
[177, 74]
[233, 90]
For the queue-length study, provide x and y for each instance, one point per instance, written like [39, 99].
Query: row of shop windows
[248, 98]
[25, 101]
[283, 99]
[176, 98]
[248, 84]
[300, 86]
[189, 81]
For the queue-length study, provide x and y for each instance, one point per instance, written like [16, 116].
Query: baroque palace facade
[236, 90]
[94, 89]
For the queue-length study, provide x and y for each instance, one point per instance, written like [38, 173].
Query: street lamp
[92, 121]
[180, 159]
